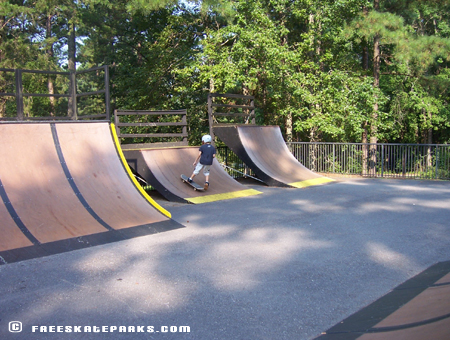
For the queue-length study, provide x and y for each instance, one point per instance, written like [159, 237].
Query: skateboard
[196, 186]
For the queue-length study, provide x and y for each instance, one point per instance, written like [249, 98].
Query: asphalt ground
[287, 264]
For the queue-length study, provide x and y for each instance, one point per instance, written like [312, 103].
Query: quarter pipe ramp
[264, 151]
[162, 168]
[64, 186]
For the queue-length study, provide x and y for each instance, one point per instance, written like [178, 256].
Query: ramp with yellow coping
[264, 151]
[162, 168]
[64, 186]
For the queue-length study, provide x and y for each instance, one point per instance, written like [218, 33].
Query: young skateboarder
[204, 160]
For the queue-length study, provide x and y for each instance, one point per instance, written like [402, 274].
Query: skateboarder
[204, 160]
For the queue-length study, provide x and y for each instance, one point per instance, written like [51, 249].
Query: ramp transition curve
[264, 151]
[162, 168]
[64, 187]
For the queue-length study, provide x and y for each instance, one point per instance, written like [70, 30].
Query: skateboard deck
[196, 186]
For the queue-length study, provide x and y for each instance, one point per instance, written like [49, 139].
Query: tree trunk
[72, 111]
[312, 150]
[2, 84]
[365, 56]
[376, 84]
[289, 127]
[365, 150]
[311, 36]
[50, 55]
[428, 138]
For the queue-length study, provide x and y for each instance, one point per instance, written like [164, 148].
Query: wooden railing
[142, 126]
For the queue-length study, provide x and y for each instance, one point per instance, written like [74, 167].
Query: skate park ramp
[162, 168]
[417, 309]
[264, 151]
[65, 186]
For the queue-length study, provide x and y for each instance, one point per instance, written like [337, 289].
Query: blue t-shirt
[207, 151]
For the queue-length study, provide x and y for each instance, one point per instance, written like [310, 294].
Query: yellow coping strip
[310, 182]
[225, 196]
[130, 174]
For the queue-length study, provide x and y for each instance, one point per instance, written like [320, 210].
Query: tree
[401, 47]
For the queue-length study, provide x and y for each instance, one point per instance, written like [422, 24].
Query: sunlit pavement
[287, 264]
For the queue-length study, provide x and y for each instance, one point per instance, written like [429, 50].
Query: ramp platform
[64, 186]
[417, 309]
[162, 167]
[264, 151]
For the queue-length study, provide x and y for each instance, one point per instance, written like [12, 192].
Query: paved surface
[287, 264]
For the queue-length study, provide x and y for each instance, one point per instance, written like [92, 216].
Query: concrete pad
[287, 264]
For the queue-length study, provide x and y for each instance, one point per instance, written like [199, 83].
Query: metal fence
[419, 161]
[415, 161]
[232, 164]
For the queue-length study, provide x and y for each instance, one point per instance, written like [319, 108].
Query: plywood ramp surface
[263, 149]
[427, 316]
[165, 166]
[99, 175]
[62, 181]
[11, 235]
[417, 309]
[37, 186]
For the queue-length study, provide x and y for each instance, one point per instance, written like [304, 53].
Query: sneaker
[190, 180]
[206, 186]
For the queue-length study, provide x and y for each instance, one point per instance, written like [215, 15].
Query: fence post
[437, 162]
[382, 160]
[19, 94]
[107, 94]
[73, 95]
[184, 128]
[334, 158]
[210, 119]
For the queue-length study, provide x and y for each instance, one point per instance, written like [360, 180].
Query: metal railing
[233, 165]
[414, 161]
[418, 161]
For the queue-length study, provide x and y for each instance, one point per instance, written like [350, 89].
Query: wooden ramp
[264, 151]
[162, 168]
[416, 310]
[64, 186]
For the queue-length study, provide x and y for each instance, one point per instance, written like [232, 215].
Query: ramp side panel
[432, 303]
[100, 176]
[166, 166]
[266, 146]
[11, 236]
[37, 187]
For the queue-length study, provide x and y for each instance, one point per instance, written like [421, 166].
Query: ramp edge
[85, 241]
[130, 174]
[224, 196]
[311, 182]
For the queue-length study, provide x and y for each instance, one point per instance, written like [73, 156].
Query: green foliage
[308, 64]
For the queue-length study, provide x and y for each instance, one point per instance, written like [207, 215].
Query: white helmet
[206, 139]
